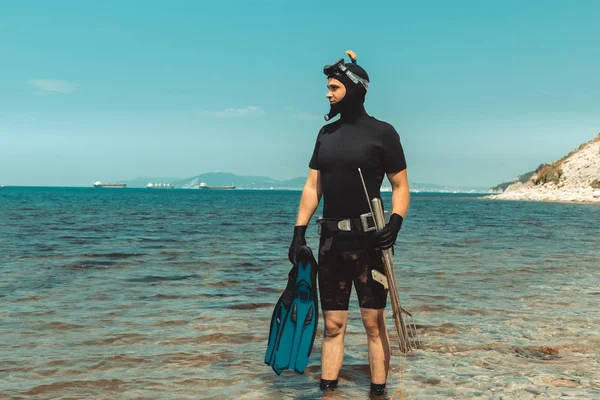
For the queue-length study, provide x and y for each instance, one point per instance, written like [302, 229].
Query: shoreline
[543, 200]
[549, 194]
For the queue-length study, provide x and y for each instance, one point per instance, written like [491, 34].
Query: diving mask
[339, 69]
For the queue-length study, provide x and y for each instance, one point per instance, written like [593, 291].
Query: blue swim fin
[295, 318]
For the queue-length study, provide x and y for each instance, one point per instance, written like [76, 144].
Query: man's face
[336, 91]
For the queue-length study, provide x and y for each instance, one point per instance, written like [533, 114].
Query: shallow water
[168, 294]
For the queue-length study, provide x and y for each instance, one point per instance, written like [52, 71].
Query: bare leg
[332, 351]
[379, 343]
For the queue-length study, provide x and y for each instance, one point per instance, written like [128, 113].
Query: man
[349, 247]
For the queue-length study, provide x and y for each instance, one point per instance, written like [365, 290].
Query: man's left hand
[388, 234]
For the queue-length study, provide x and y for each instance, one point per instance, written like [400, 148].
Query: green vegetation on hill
[548, 173]
[521, 178]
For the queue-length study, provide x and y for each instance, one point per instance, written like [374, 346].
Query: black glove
[388, 234]
[297, 241]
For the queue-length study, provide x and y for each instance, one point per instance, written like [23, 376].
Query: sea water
[168, 294]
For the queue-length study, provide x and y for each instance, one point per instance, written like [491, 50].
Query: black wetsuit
[358, 141]
[346, 145]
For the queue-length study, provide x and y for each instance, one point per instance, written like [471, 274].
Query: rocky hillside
[575, 177]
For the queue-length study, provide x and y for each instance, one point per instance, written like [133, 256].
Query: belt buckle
[319, 219]
[344, 225]
[364, 221]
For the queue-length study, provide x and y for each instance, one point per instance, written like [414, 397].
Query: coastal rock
[574, 178]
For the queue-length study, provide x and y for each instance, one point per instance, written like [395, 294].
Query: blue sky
[479, 91]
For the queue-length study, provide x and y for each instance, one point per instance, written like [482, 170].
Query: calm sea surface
[168, 294]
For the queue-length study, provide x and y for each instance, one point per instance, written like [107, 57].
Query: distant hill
[143, 181]
[521, 178]
[433, 188]
[575, 177]
[221, 179]
[264, 182]
[240, 182]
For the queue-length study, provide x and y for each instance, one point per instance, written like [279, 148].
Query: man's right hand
[297, 241]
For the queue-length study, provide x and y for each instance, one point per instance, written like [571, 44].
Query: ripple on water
[114, 255]
[250, 306]
[62, 326]
[155, 278]
[90, 264]
[110, 385]
[123, 338]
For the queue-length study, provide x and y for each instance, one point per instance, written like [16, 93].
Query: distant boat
[109, 185]
[205, 186]
[159, 186]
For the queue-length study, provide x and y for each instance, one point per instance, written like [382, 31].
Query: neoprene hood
[356, 81]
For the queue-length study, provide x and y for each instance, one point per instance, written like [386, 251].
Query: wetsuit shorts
[338, 269]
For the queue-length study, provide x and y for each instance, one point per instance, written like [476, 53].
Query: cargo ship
[100, 184]
[159, 186]
[205, 186]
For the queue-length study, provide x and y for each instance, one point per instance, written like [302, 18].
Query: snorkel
[354, 78]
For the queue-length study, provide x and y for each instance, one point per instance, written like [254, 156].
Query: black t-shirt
[344, 146]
